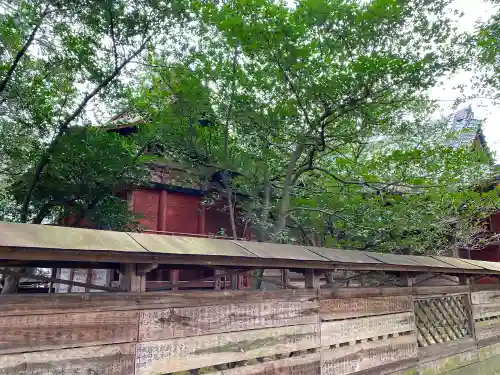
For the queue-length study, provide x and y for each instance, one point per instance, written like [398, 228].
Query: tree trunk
[284, 203]
[229, 192]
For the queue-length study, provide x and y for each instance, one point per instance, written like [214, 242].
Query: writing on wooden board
[191, 321]
[39, 332]
[96, 360]
[201, 351]
[449, 363]
[301, 365]
[363, 356]
[344, 308]
[491, 296]
[341, 331]
[487, 328]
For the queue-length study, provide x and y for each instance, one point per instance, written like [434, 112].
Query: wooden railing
[330, 331]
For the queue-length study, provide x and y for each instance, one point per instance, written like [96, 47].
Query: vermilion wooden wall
[180, 213]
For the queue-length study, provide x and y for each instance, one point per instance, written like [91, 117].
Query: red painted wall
[178, 213]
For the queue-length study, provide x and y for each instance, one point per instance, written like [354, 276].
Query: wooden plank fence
[284, 332]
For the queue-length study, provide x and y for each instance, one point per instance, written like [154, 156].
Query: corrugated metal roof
[72, 243]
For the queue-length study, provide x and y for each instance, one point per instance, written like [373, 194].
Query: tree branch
[113, 38]
[21, 53]
[44, 160]
[289, 82]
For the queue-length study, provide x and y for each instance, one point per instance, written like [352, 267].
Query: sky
[483, 108]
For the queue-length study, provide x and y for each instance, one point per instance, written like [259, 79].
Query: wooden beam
[265, 279]
[54, 280]
[54, 255]
[174, 283]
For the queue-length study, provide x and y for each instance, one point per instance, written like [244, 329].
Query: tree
[321, 107]
[328, 119]
[61, 64]
[485, 48]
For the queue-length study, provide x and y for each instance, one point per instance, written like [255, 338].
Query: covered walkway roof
[43, 243]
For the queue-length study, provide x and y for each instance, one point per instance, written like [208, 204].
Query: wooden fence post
[130, 280]
[312, 278]
[466, 280]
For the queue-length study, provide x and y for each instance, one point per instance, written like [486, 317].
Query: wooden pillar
[285, 277]
[406, 279]
[466, 280]
[312, 278]
[162, 211]
[174, 279]
[218, 280]
[130, 280]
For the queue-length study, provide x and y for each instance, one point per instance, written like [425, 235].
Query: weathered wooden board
[341, 331]
[158, 357]
[326, 293]
[344, 308]
[485, 297]
[302, 365]
[406, 367]
[490, 366]
[353, 358]
[450, 363]
[489, 351]
[18, 304]
[447, 349]
[487, 328]
[386, 292]
[191, 321]
[407, 371]
[486, 310]
[95, 360]
[40, 332]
